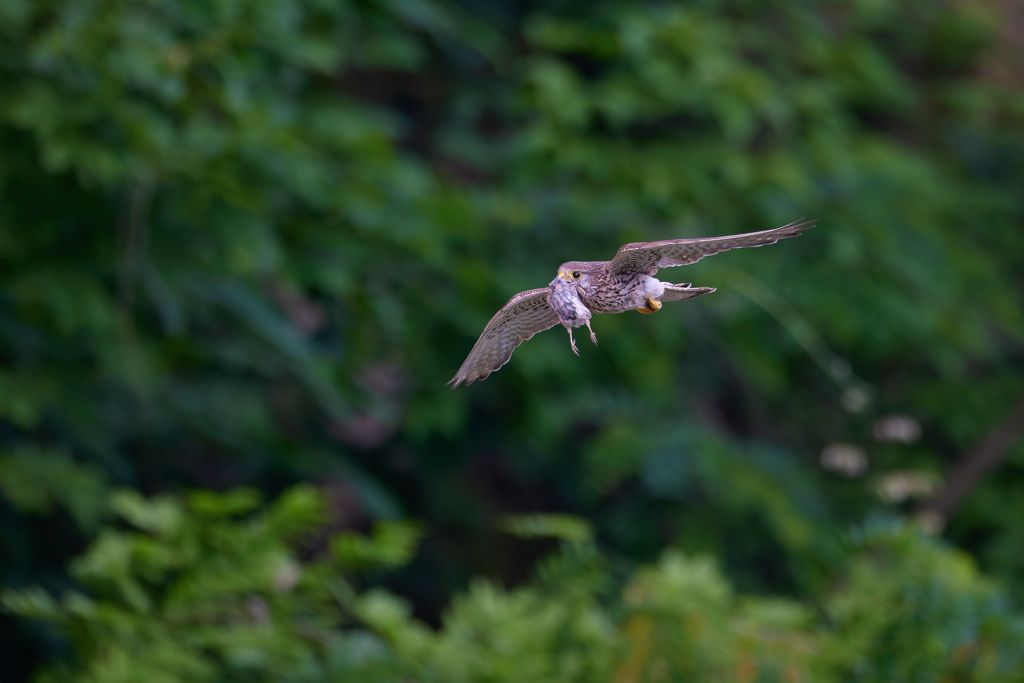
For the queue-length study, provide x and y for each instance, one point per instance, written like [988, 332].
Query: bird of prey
[583, 288]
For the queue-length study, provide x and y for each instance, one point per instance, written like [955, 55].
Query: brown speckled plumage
[585, 288]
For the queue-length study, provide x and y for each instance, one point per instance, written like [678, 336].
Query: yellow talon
[652, 306]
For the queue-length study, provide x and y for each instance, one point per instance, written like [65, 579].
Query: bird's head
[578, 272]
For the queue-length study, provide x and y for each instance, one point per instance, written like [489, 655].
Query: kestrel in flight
[583, 288]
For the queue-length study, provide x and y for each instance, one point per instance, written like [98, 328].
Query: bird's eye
[575, 275]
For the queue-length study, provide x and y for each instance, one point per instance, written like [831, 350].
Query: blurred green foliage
[205, 589]
[245, 245]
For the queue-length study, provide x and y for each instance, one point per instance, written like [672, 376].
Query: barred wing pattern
[647, 257]
[526, 314]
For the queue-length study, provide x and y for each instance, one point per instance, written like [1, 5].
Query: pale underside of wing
[647, 257]
[526, 314]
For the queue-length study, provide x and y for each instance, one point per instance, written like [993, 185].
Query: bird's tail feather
[683, 292]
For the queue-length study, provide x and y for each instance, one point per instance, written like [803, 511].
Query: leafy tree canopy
[246, 244]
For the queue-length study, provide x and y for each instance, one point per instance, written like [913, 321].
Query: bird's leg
[652, 306]
[593, 337]
[573, 343]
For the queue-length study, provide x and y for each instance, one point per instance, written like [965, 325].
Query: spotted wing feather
[526, 314]
[647, 257]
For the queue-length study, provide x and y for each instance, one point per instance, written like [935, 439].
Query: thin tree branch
[132, 234]
[978, 462]
[856, 393]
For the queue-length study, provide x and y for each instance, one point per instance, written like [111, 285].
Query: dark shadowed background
[244, 244]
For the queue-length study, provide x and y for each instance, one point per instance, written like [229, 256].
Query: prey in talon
[583, 289]
[565, 299]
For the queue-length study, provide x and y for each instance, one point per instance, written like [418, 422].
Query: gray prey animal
[585, 288]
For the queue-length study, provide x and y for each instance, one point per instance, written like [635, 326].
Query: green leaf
[564, 527]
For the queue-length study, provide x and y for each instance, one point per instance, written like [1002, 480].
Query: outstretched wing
[647, 257]
[526, 314]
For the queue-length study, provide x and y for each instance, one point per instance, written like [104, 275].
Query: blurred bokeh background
[244, 244]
